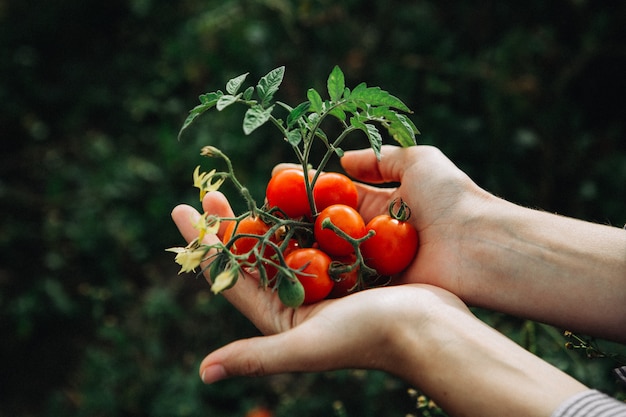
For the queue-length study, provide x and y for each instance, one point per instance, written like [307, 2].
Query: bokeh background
[527, 97]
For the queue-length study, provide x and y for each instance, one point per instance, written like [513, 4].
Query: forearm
[547, 267]
[471, 370]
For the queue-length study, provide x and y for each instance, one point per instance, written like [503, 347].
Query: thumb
[364, 166]
[290, 351]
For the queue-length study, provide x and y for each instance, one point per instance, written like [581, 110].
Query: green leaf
[296, 113]
[207, 101]
[255, 117]
[372, 133]
[247, 95]
[294, 137]
[402, 133]
[315, 99]
[338, 113]
[210, 97]
[268, 85]
[336, 84]
[226, 100]
[374, 96]
[233, 85]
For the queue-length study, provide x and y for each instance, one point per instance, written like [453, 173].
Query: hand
[420, 333]
[343, 337]
[495, 254]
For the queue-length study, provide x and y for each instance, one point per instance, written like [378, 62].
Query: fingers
[363, 165]
[216, 203]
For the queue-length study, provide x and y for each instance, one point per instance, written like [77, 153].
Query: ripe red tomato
[314, 277]
[259, 412]
[287, 191]
[346, 219]
[334, 188]
[345, 282]
[247, 226]
[270, 269]
[392, 248]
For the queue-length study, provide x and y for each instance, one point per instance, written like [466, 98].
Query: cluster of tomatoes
[331, 251]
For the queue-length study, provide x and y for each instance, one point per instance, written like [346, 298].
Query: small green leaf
[268, 84]
[294, 137]
[338, 113]
[315, 99]
[255, 117]
[374, 96]
[298, 112]
[226, 100]
[233, 85]
[336, 84]
[210, 97]
[372, 133]
[247, 95]
[207, 101]
[402, 133]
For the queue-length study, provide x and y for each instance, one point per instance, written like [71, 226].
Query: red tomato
[392, 248]
[345, 282]
[314, 277]
[259, 412]
[334, 188]
[287, 191]
[346, 219]
[247, 226]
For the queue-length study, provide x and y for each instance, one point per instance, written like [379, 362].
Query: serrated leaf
[233, 85]
[372, 133]
[210, 97]
[255, 117]
[247, 95]
[315, 99]
[268, 85]
[225, 101]
[375, 96]
[194, 113]
[336, 84]
[401, 133]
[338, 113]
[294, 137]
[296, 113]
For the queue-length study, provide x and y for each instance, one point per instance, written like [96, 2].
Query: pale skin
[475, 249]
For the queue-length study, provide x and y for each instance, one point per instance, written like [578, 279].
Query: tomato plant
[334, 188]
[394, 245]
[313, 272]
[307, 217]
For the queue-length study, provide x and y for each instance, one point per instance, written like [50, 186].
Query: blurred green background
[527, 97]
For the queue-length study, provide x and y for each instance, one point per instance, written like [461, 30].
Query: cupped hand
[443, 202]
[363, 330]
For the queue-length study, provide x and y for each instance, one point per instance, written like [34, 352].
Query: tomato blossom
[204, 181]
[190, 257]
[206, 225]
[224, 280]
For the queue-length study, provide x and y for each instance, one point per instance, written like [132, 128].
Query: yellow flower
[224, 280]
[207, 224]
[189, 257]
[204, 182]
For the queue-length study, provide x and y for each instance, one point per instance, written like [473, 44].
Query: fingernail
[213, 373]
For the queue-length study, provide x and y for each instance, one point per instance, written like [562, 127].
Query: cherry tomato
[314, 277]
[346, 281]
[287, 191]
[259, 412]
[392, 248]
[334, 188]
[247, 226]
[347, 220]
